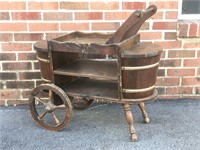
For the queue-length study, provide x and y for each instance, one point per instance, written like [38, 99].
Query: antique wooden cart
[79, 68]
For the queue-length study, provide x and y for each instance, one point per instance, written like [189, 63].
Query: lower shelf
[92, 89]
[101, 90]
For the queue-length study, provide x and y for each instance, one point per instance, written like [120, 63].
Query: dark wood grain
[90, 68]
[142, 50]
[92, 89]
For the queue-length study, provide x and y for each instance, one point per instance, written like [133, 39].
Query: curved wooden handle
[131, 26]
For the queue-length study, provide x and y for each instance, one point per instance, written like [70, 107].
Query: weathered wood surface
[90, 68]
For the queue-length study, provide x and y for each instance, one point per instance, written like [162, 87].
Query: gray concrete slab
[175, 124]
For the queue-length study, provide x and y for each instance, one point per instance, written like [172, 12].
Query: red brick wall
[24, 22]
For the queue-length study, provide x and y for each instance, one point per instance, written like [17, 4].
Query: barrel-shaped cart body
[43, 59]
[139, 70]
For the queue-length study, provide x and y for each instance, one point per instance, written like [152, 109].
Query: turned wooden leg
[129, 119]
[144, 113]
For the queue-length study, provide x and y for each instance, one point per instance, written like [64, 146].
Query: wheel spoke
[38, 99]
[60, 106]
[51, 96]
[42, 115]
[55, 118]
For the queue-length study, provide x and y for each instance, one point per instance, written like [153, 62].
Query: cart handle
[131, 26]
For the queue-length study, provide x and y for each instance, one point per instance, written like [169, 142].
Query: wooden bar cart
[79, 68]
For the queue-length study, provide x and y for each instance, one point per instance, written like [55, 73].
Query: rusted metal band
[138, 90]
[46, 80]
[140, 67]
[42, 59]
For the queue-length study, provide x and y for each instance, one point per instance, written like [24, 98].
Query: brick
[193, 30]
[170, 63]
[74, 26]
[16, 47]
[170, 44]
[104, 5]
[16, 66]
[2, 102]
[145, 26]
[170, 35]
[198, 72]
[197, 90]
[179, 90]
[105, 26]
[36, 66]
[198, 54]
[19, 84]
[181, 72]
[191, 81]
[26, 94]
[27, 56]
[4, 16]
[161, 72]
[191, 44]
[53, 35]
[66, 16]
[9, 94]
[151, 35]
[43, 26]
[165, 4]
[182, 29]
[29, 75]
[28, 36]
[6, 37]
[160, 90]
[192, 97]
[13, 26]
[74, 5]
[167, 81]
[167, 97]
[42, 5]
[171, 15]
[17, 102]
[88, 15]
[133, 5]
[191, 62]
[181, 53]
[7, 56]
[26, 15]
[117, 15]
[158, 15]
[1, 85]
[8, 76]
[164, 25]
[5, 5]
[39, 82]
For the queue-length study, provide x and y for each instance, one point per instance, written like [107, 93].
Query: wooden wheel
[81, 103]
[45, 111]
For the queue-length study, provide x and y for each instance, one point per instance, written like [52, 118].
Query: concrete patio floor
[175, 125]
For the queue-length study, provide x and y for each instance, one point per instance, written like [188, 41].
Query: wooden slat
[90, 68]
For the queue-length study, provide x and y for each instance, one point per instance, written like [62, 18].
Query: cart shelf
[93, 68]
[92, 88]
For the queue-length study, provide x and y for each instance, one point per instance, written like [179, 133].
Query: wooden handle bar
[131, 26]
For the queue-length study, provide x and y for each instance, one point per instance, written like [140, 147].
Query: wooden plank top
[142, 50]
[41, 46]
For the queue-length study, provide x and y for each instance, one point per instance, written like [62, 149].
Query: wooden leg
[129, 119]
[144, 113]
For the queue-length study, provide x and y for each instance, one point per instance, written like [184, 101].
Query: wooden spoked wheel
[44, 109]
[81, 103]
